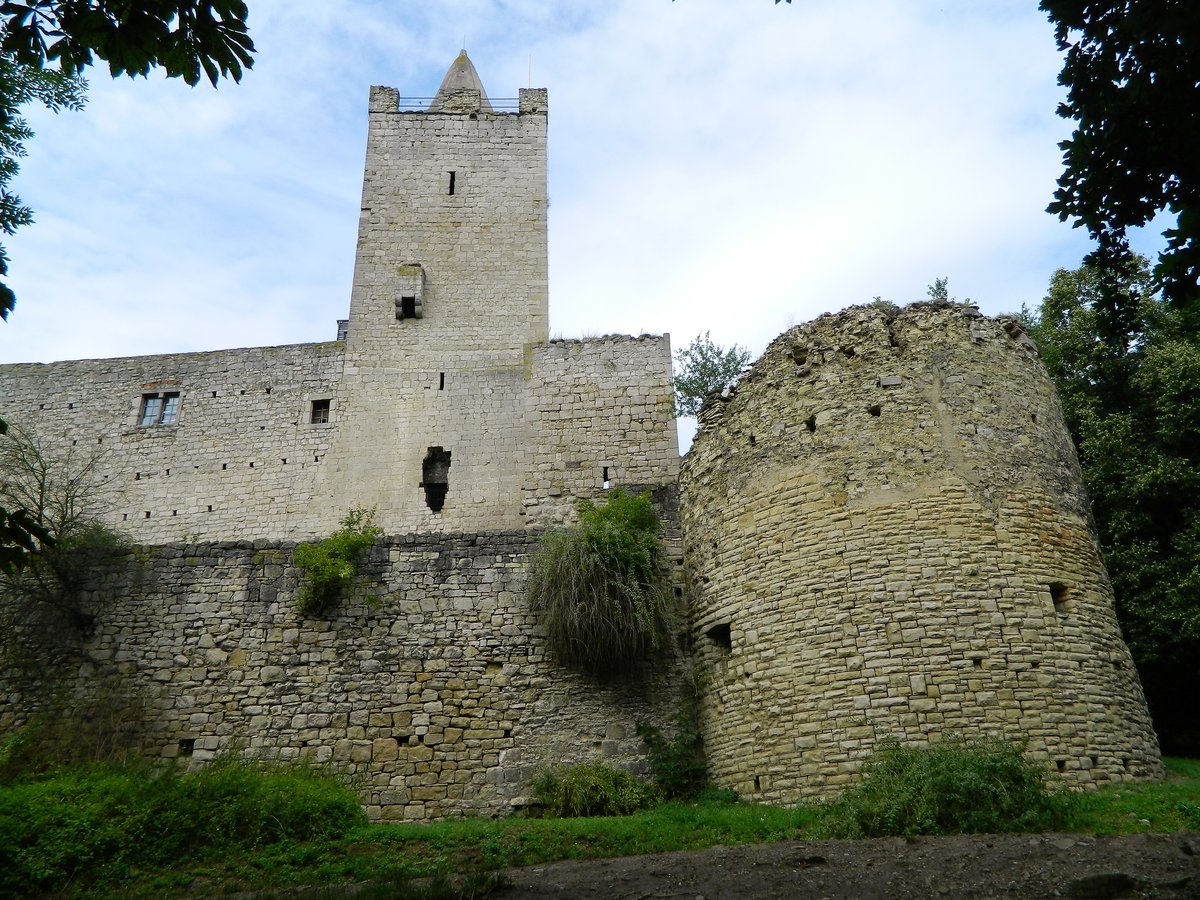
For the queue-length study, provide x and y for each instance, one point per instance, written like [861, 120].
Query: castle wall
[240, 459]
[599, 407]
[887, 535]
[430, 685]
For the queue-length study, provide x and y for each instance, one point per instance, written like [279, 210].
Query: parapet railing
[499, 104]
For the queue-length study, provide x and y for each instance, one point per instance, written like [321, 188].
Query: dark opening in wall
[753, 440]
[441, 381]
[721, 634]
[187, 746]
[453, 179]
[811, 423]
[1061, 765]
[757, 783]
[875, 410]
[604, 478]
[435, 477]
[320, 412]
[406, 308]
[1060, 596]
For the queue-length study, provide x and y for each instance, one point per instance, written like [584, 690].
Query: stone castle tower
[442, 405]
[449, 300]
[888, 536]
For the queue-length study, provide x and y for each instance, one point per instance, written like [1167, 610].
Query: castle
[882, 537]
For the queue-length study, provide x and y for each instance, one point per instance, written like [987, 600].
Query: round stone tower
[887, 536]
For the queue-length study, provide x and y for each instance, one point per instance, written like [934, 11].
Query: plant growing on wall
[601, 590]
[43, 597]
[330, 565]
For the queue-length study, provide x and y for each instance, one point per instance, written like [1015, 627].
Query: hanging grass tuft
[604, 598]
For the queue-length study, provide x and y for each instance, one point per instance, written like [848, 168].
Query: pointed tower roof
[460, 76]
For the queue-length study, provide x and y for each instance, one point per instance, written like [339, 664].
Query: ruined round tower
[887, 536]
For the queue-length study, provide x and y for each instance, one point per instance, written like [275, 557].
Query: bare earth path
[1046, 865]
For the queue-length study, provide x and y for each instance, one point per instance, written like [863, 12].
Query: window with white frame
[159, 409]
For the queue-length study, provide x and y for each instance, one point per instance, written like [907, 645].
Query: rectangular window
[159, 409]
[320, 412]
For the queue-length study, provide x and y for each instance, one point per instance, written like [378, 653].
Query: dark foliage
[1132, 74]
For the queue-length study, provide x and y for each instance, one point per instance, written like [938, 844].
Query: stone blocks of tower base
[887, 536]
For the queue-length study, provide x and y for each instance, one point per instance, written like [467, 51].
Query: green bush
[330, 565]
[678, 762]
[97, 825]
[593, 789]
[952, 787]
[605, 601]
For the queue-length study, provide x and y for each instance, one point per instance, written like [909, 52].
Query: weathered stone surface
[887, 535]
[462, 710]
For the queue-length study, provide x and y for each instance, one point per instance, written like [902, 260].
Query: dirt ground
[1044, 865]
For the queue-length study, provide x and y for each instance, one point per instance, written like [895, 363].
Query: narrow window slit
[604, 478]
[441, 381]
[453, 178]
[811, 423]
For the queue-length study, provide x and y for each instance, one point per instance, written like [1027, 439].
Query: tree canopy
[183, 37]
[703, 367]
[1132, 73]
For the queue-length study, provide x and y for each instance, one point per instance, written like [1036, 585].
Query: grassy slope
[391, 853]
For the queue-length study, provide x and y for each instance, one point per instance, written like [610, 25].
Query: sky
[732, 167]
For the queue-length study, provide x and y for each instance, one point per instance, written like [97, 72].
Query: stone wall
[430, 685]
[887, 535]
[602, 416]
[241, 459]
[244, 460]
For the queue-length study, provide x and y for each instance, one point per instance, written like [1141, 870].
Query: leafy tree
[1132, 74]
[182, 37]
[1126, 366]
[705, 367]
[44, 45]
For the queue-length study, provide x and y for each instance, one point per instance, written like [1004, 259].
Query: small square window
[159, 409]
[320, 412]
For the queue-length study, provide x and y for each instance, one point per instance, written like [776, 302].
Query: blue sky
[735, 167]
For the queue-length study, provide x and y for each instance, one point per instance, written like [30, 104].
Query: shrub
[952, 787]
[97, 824]
[678, 763]
[593, 789]
[330, 565]
[605, 601]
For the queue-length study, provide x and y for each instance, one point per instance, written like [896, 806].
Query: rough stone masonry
[885, 530]
[887, 536]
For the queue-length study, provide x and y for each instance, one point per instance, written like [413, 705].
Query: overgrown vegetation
[42, 601]
[601, 590]
[330, 565]
[593, 789]
[704, 367]
[678, 762]
[951, 787]
[97, 827]
[277, 856]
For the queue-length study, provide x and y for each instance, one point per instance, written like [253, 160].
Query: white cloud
[717, 166]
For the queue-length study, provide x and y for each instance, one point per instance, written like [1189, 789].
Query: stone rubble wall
[886, 535]
[429, 686]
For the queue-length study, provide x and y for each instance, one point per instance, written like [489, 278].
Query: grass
[459, 859]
